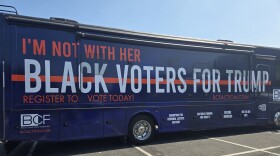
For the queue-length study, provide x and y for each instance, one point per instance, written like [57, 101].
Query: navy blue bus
[62, 80]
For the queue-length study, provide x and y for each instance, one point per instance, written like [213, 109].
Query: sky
[254, 22]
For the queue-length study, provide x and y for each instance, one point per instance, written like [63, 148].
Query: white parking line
[143, 151]
[30, 153]
[272, 147]
[240, 153]
[253, 149]
[232, 143]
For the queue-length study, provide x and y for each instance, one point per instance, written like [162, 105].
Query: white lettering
[28, 76]
[195, 80]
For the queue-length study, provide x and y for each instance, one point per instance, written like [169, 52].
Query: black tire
[142, 126]
[276, 119]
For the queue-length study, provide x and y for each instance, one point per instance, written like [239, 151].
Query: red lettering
[75, 48]
[66, 49]
[97, 51]
[103, 48]
[25, 99]
[137, 55]
[111, 53]
[123, 54]
[56, 48]
[129, 50]
[39, 49]
[23, 45]
[89, 49]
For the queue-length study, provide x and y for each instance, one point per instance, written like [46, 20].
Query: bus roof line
[33, 20]
[151, 43]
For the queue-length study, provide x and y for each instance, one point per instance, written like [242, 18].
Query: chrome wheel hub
[277, 119]
[142, 130]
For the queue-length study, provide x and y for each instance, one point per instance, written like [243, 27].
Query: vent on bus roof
[13, 9]
[225, 40]
[63, 20]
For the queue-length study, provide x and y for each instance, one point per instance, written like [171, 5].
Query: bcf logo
[276, 94]
[34, 120]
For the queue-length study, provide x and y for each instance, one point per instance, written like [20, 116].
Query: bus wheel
[141, 129]
[277, 119]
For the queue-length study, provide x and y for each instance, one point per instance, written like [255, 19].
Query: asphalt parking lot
[252, 141]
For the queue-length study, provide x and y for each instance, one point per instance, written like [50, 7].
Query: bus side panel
[34, 125]
[242, 115]
[173, 119]
[24, 41]
[205, 117]
[114, 123]
[81, 124]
